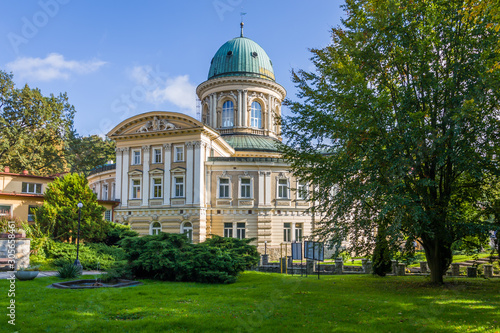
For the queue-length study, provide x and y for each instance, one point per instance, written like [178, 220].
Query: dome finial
[242, 24]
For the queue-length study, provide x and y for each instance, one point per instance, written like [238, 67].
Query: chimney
[25, 172]
[7, 169]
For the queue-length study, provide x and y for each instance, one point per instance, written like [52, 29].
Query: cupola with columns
[241, 98]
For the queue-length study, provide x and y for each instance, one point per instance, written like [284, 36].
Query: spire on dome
[242, 24]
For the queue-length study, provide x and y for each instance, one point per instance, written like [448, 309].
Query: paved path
[5, 275]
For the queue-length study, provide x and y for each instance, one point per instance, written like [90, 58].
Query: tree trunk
[439, 257]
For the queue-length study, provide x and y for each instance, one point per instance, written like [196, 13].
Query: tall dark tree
[85, 153]
[400, 121]
[33, 128]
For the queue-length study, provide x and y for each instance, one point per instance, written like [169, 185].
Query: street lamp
[77, 262]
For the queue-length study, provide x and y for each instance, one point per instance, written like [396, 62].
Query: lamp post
[77, 262]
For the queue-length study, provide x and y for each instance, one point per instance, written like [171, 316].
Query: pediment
[135, 172]
[156, 122]
[178, 170]
[156, 171]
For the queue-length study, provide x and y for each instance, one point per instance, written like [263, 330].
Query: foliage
[33, 128]
[86, 153]
[68, 271]
[59, 214]
[30, 268]
[399, 122]
[117, 232]
[381, 254]
[90, 256]
[171, 257]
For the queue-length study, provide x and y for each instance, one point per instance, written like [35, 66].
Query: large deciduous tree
[58, 216]
[399, 123]
[33, 128]
[83, 153]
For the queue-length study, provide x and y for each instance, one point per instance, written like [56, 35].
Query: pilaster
[167, 147]
[124, 180]
[189, 173]
[145, 176]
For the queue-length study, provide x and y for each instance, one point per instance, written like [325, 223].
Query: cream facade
[222, 175]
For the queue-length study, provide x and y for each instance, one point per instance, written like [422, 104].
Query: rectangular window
[32, 188]
[136, 157]
[107, 215]
[179, 187]
[283, 188]
[298, 232]
[136, 189]
[31, 213]
[287, 233]
[157, 188]
[157, 155]
[246, 188]
[105, 192]
[301, 190]
[228, 230]
[223, 187]
[5, 210]
[240, 230]
[179, 154]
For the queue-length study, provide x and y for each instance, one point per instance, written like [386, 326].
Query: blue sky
[118, 59]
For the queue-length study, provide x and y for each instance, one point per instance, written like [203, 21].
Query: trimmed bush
[68, 271]
[117, 232]
[170, 257]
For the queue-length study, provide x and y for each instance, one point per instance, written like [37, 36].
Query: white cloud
[53, 67]
[178, 91]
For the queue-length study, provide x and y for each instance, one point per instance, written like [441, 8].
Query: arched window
[228, 114]
[155, 228]
[256, 115]
[187, 228]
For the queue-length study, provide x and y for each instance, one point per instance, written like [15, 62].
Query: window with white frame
[228, 230]
[179, 154]
[228, 114]
[32, 188]
[107, 215]
[282, 188]
[245, 188]
[302, 191]
[105, 192]
[256, 115]
[179, 186]
[136, 157]
[287, 232]
[31, 213]
[156, 188]
[240, 230]
[155, 228]
[298, 232]
[187, 229]
[224, 188]
[157, 155]
[136, 189]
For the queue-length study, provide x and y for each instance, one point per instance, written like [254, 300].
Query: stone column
[268, 189]
[363, 264]
[290, 261]
[125, 180]
[265, 259]
[455, 269]
[240, 109]
[145, 176]
[401, 269]
[339, 266]
[189, 173]
[167, 147]
[213, 110]
[369, 267]
[244, 109]
[394, 267]
[262, 176]
[118, 177]
[423, 267]
[199, 173]
[488, 271]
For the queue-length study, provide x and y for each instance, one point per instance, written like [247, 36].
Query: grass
[261, 302]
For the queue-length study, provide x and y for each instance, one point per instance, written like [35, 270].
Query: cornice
[226, 80]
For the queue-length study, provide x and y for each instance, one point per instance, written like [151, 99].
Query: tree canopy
[33, 128]
[84, 153]
[398, 125]
[58, 216]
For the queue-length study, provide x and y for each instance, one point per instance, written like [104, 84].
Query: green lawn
[261, 302]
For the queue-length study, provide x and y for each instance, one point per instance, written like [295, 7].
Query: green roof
[248, 142]
[241, 56]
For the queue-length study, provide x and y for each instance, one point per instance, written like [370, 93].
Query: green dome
[241, 56]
